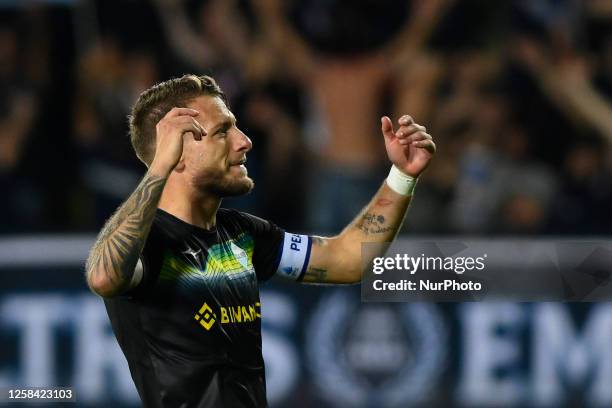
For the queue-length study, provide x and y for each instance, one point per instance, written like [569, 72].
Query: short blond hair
[154, 103]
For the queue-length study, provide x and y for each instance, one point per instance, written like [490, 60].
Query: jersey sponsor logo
[207, 317]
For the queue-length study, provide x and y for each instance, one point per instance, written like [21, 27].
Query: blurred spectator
[345, 85]
[215, 41]
[528, 189]
[259, 93]
[21, 207]
[585, 199]
[569, 77]
[110, 79]
[517, 95]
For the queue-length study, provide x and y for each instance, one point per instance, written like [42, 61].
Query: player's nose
[243, 143]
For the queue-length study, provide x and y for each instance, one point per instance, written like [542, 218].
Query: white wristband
[401, 183]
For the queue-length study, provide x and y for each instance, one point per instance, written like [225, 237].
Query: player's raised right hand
[169, 138]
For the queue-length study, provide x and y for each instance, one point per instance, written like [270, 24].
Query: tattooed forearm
[315, 275]
[380, 220]
[339, 259]
[114, 256]
[371, 223]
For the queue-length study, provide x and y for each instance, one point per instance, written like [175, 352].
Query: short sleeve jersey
[191, 330]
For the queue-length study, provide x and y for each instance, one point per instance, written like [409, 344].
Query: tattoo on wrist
[371, 223]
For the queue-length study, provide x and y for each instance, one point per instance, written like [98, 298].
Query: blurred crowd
[517, 94]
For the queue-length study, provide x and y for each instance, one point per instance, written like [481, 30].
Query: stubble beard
[223, 184]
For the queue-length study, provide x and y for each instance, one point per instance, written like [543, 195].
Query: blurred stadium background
[517, 94]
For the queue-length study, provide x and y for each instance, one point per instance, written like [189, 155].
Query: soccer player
[180, 276]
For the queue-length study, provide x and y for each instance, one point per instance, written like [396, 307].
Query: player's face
[216, 164]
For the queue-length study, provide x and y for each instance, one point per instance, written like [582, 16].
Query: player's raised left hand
[410, 148]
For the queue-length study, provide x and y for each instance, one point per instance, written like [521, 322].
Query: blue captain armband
[294, 256]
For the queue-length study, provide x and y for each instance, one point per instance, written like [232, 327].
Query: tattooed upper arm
[111, 262]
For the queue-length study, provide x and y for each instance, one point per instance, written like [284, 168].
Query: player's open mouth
[240, 165]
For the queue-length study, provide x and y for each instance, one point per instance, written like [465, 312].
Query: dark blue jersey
[191, 330]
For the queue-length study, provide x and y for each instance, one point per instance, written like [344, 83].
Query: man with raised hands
[180, 276]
